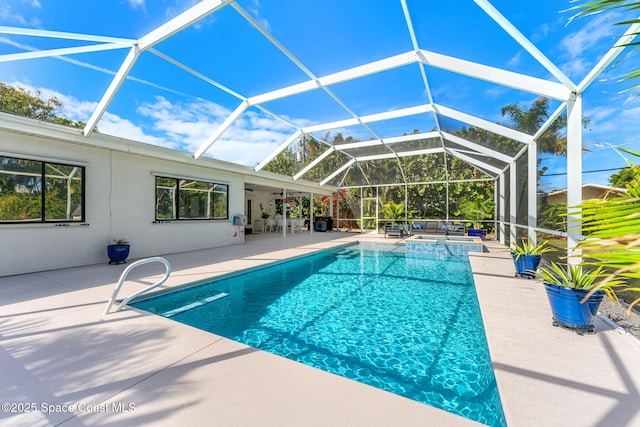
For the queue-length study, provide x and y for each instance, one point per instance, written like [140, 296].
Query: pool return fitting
[123, 277]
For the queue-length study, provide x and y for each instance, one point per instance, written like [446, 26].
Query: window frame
[176, 206]
[43, 191]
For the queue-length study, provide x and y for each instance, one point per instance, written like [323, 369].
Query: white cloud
[540, 33]
[515, 60]
[262, 121]
[244, 153]
[600, 29]
[115, 125]
[598, 114]
[186, 126]
[613, 126]
[254, 10]
[189, 125]
[6, 14]
[110, 124]
[577, 67]
[594, 32]
[180, 6]
[136, 4]
[495, 92]
[10, 16]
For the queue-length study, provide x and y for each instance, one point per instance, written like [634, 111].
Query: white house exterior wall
[120, 203]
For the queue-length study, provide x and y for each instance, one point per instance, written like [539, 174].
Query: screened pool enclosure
[415, 111]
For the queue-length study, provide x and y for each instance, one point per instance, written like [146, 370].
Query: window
[183, 199]
[36, 191]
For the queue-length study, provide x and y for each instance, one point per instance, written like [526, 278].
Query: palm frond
[598, 6]
[613, 242]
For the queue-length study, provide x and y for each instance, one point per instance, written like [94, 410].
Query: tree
[624, 176]
[393, 211]
[552, 141]
[530, 120]
[21, 102]
[476, 210]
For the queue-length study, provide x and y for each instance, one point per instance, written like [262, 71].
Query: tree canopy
[531, 119]
[624, 176]
[21, 102]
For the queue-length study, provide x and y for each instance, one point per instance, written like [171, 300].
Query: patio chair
[452, 230]
[393, 230]
[270, 225]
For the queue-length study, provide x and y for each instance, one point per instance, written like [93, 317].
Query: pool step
[194, 304]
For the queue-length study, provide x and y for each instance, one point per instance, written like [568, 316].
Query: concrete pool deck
[64, 363]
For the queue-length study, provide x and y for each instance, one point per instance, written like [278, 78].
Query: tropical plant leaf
[613, 242]
[578, 277]
[598, 6]
[526, 247]
[634, 302]
[593, 7]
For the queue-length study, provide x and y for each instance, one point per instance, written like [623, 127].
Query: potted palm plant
[567, 290]
[395, 212]
[527, 256]
[476, 210]
[118, 251]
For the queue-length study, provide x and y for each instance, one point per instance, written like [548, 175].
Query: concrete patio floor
[62, 362]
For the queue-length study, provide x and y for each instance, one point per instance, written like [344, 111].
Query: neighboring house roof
[589, 191]
[594, 186]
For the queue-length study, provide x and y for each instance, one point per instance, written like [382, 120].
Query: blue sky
[163, 105]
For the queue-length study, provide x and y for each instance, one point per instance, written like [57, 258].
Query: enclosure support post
[377, 208]
[284, 213]
[362, 212]
[513, 202]
[447, 196]
[311, 213]
[331, 198]
[503, 207]
[574, 176]
[406, 207]
[532, 191]
[496, 196]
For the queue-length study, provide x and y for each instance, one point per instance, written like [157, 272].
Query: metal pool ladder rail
[124, 275]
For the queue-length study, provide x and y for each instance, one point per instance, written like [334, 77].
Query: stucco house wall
[119, 200]
[120, 203]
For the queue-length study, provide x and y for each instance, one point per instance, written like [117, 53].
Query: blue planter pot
[118, 253]
[526, 265]
[478, 232]
[567, 309]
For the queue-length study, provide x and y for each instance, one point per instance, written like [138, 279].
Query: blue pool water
[405, 323]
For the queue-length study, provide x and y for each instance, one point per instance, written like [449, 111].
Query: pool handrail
[123, 277]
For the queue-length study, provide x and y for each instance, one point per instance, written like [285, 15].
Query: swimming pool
[405, 323]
